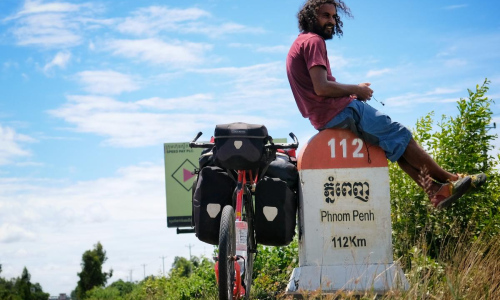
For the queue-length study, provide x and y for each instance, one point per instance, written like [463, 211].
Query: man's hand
[364, 92]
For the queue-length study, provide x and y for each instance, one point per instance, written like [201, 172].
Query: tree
[92, 275]
[185, 266]
[21, 288]
[123, 287]
[23, 284]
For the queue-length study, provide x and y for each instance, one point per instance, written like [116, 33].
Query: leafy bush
[460, 144]
[109, 293]
[21, 288]
[273, 267]
[199, 283]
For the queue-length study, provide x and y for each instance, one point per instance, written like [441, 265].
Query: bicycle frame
[240, 191]
[242, 182]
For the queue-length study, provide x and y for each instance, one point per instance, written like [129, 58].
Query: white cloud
[51, 203]
[10, 65]
[36, 6]
[198, 102]
[10, 145]
[453, 63]
[222, 29]
[240, 45]
[273, 49]
[129, 125]
[261, 88]
[61, 59]
[92, 104]
[253, 94]
[443, 91]
[447, 52]
[106, 82]
[175, 54]
[10, 233]
[456, 6]
[30, 164]
[49, 30]
[459, 48]
[374, 73]
[279, 49]
[338, 63]
[154, 19]
[70, 217]
[53, 24]
[414, 99]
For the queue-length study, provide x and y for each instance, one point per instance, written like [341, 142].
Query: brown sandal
[449, 192]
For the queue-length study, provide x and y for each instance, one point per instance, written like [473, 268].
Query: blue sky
[90, 90]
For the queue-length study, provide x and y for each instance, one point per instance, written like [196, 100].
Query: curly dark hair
[308, 15]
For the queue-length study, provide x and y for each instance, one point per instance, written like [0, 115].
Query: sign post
[180, 162]
[344, 218]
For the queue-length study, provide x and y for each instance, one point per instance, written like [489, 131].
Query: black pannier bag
[214, 190]
[206, 158]
[240, 146]
[285, 168]
[275, 212]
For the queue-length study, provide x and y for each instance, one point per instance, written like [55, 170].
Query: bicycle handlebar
[274, 146]
[194, 144]
[293, 145]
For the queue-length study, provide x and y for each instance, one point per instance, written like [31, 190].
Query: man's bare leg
[425, 172]
[427, 184]
[417, 158]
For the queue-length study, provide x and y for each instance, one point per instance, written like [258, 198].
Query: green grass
[465, 270]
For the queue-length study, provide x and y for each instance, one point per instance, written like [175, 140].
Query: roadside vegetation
[21, 288]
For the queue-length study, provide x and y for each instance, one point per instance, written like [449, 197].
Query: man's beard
[321, 31]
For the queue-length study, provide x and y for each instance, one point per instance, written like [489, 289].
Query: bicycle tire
[251, 245]
[227, 251]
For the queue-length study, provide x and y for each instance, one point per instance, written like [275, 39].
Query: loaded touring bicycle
[244, 194]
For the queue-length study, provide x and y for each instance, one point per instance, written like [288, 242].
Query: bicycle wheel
[251, 245]
[227, 251]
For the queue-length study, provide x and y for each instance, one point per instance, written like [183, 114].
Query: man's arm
[325, 88]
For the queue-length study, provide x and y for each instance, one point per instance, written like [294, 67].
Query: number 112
[343, 143]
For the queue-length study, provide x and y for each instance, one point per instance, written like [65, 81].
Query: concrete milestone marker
[344, 217]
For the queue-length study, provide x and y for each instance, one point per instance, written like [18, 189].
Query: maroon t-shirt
[309, 50]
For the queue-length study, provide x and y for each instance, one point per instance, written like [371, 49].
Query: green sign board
[180, 162]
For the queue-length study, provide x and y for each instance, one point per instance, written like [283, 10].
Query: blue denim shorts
[373, 127]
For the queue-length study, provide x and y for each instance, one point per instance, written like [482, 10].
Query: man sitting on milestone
[329, 104]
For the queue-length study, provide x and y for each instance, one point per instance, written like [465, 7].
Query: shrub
[273, 267]
[461, 144]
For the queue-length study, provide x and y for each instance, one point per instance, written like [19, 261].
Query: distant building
[61, 296]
